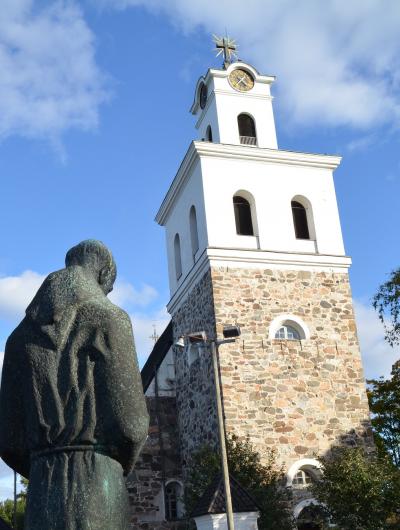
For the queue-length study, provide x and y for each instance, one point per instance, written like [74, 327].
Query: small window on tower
[302, 479]
[244, 223]
[178, 258]
[287, 332]
[247, 130]
[173, 501]
[300, 221]
[194, 235]
[209, 136]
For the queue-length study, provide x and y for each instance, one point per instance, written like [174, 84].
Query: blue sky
[94, 121]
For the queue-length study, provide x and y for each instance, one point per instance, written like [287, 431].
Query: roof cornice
[181, 177]
[197, 150]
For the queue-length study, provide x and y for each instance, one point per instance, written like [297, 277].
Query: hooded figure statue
[73, 416]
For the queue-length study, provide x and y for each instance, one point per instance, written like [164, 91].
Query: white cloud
[124, 293]
[16, 292]
[362, 143]
[378, 356]
[337, 62]
[49, 80]
[143, 329]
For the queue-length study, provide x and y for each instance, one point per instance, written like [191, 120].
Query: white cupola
[234, 106]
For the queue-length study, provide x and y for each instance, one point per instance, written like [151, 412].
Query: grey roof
[156, 356]
[213, 499]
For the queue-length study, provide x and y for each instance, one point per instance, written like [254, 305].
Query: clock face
[241, 80]
[203, 95]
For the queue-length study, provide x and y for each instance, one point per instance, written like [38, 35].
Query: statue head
[96, 259]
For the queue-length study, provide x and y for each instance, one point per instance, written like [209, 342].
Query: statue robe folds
[73, 416]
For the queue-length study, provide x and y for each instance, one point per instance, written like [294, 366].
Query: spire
[227, 47]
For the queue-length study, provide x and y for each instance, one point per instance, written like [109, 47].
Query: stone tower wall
[299, 397]
[195, 399]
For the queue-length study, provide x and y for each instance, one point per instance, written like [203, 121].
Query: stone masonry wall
[194, 384]
[299, 397]
[158, 462]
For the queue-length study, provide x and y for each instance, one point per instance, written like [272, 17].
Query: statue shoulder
[103, 311]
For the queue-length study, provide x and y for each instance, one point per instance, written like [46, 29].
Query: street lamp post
[221, 434]
[230, 333]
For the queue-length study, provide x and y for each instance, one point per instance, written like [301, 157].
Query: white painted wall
[219, 172]
[273, 186]
[224, 104]
[209, 115]
[241, 521]
[178, 222]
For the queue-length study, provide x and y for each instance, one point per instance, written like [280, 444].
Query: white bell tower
[229, 100]
[237, 199]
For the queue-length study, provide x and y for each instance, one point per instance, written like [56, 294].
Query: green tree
[262, 481]
[387, 303]
[314, 516]
[7, 507]
[384, 403]
[359, 491]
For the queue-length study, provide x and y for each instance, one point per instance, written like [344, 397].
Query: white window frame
[311, 465]
[289, 320]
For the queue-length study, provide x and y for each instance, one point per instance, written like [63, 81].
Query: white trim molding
[253, 259]
[308, 464]
[303, 504]
[287, 318]
[198, 150]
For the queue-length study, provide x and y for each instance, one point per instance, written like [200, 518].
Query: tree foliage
[7, 508]
[262, 480]
[384, 403]
[314, 516]
[387, 303]
[359, 491]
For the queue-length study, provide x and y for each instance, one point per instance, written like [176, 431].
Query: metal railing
[248, 140]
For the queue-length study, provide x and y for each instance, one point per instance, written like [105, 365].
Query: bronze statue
[73, 416]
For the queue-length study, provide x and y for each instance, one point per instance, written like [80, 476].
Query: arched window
[173, 500]
[194, 235]
[303, 473]
[287, 332]
[288, 327]
[242, 209]
[247, 130]
[302, 479]
[209, 137]
[300, 221]
[178, 259]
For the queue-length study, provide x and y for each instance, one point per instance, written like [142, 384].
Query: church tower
[254, 238]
